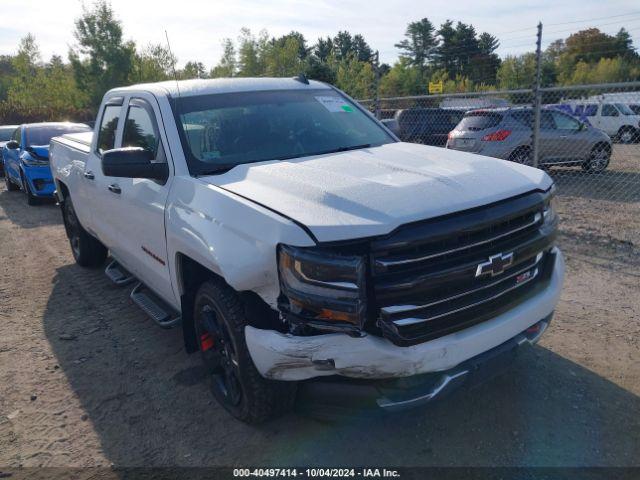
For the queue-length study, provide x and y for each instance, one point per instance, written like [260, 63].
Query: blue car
[26, 158]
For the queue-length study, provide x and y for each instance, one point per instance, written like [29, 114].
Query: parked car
[429, 126]
[294, 237]
[507, 134]
[26, 158]
[5, 135]
[619, 121]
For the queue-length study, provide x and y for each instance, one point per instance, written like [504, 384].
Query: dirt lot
[86, 379]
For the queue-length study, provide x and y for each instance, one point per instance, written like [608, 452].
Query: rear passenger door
[138, 205]
[93, 206]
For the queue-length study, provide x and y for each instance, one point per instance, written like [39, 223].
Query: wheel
[626, 135]
[219, 322]
[86, 249]
[31, 198]
[598, 159]
[521, 155]
[12, 187]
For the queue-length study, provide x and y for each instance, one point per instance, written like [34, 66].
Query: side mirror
[12, 145]
[133, 162]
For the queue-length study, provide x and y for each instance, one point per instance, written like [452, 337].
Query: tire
[598, 159]
[521, 155]
[86, 249]
[12, 187]
[31, 198]
[626, 135]
[219, 321]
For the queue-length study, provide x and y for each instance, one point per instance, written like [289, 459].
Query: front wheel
[219, 322]
[86, 249]
[12, 187]
[598, 159]
[31, 198]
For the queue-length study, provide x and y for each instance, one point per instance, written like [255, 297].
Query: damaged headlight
[550, 213]
[322, 289]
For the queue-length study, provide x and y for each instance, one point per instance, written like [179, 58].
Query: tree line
[454, 53]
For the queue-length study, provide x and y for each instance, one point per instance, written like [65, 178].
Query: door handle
[89, 175]
[114, 188]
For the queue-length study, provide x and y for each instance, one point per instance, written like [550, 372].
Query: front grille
[436, 277]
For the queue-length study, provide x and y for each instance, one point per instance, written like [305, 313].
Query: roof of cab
[187, 88]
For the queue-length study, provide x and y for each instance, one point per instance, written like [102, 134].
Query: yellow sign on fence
[435, 87]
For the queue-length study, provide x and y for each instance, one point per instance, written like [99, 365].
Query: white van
[613, 117]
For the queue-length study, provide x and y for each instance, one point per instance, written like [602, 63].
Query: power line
[593, 19]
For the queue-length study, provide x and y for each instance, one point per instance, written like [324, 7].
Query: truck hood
[372, 191]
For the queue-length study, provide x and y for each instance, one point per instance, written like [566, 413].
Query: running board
[117, 274]
[155, 308]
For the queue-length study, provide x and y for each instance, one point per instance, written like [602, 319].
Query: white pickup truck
[293, 236]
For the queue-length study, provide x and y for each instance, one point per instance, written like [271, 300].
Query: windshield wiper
[324, 152]
[344, 149]
[225, 167]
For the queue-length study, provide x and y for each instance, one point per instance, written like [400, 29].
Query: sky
[196, 27]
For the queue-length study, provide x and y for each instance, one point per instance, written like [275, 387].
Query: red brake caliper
[206, 341]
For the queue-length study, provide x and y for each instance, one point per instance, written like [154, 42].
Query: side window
[579, 111]
[546, 121]
[565, 122]
[609, 110]
[140, 129]
[16, 135]
[523, 117]
[591, 110]
[108, 126]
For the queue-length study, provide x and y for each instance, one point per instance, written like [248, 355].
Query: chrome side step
[155, 308]
[117, 274]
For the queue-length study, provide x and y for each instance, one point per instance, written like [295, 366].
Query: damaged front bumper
[288, 357]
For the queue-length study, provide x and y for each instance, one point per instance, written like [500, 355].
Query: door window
[16, 135]
[565, 122]
[524, 117]
[141, 130]
[609, 110]
[108, 127]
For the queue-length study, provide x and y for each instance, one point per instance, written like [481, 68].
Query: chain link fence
[588, 140]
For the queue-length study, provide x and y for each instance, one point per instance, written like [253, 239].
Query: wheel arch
[190, 274]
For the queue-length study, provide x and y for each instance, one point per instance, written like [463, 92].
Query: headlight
[550, 215]
[322, 289]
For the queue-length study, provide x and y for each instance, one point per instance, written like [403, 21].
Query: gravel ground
[86, 379]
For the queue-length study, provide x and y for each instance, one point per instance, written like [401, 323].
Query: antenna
[173, 63]
[177, 111]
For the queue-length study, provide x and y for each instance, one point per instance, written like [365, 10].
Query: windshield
[42, 135]
[5, 133]
[624, 109]
[223, 130]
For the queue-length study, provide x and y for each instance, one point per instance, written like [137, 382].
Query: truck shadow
[14, 203]
[150, 406]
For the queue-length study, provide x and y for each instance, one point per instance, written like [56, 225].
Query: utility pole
[536, 98]
[376, 69]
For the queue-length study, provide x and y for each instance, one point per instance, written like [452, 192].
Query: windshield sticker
[334, 104]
